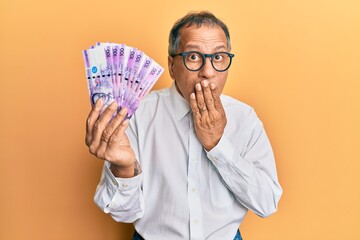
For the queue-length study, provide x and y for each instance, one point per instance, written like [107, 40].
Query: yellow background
[297, 63]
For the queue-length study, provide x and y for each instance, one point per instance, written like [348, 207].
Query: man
[191, 162]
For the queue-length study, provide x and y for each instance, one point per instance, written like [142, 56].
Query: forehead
[206, 37]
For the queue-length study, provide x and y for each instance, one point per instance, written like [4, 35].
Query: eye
[218, 57]
[193, 57]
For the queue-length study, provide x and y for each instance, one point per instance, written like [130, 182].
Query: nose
[207, 71]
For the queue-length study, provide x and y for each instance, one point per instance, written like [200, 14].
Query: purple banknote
[116, 72]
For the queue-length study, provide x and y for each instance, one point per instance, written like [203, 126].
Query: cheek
[186, 81]
[186, 84]
[222, 80]
[182, 76]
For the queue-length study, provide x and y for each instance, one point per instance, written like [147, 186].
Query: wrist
[126, 172]
[122, 172]
[212, 144]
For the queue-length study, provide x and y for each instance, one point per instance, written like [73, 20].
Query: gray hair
[198, 19]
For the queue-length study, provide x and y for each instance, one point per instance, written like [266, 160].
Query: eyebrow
[196, 47]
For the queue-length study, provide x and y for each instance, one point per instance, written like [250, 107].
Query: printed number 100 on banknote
[116, 72]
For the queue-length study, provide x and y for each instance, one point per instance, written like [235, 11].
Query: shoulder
[236, 106]
[239, 114]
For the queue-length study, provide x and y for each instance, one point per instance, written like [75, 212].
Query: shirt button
[194, 189]
[124, 185]
[214, 159]
[196, 221]
[194, 160]
[114, 182]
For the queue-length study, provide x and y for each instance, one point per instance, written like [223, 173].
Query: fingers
[206, 100]
[110, 130]
[117, 137]
[209, 123]
[216, 97]
[200, 98]
[197, 101]
[208, 96]
[93, 116]
[194, 107]
[99, 127]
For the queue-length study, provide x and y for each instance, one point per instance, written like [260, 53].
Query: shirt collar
[180, 105]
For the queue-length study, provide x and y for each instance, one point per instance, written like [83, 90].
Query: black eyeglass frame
[204, 56]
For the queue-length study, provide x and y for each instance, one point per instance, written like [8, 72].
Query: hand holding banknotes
[209, 114]
[118, 78]
[107, 140]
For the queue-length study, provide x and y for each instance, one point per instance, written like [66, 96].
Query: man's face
[206, 39]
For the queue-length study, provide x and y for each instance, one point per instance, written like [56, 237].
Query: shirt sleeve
[122, 198]
[250, 175]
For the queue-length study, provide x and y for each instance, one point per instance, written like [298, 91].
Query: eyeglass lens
[194, 61]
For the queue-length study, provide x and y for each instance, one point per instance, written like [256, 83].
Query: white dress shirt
[185, 192]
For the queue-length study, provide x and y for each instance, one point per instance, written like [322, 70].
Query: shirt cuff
[122, 184]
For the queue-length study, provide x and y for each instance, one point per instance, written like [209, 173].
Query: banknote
[121, 73]
[99, 84]
[144, 86]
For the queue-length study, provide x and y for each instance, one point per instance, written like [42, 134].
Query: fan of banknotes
[116, 72]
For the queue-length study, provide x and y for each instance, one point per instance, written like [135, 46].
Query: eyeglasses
[194, 61]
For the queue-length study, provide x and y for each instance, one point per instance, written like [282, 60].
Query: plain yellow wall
[297, 63]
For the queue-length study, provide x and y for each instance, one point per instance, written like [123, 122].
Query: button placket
[195, 151]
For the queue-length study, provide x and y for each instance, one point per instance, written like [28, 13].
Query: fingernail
[123, 111]
[212, 86]
[113, 105]
[99, 102]
[125, 122]
[198, 87]
[205, 83]
[192, 96]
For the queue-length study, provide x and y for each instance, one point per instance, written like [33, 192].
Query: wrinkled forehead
[206, 36]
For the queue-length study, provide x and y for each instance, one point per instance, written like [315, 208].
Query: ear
[171, 66]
